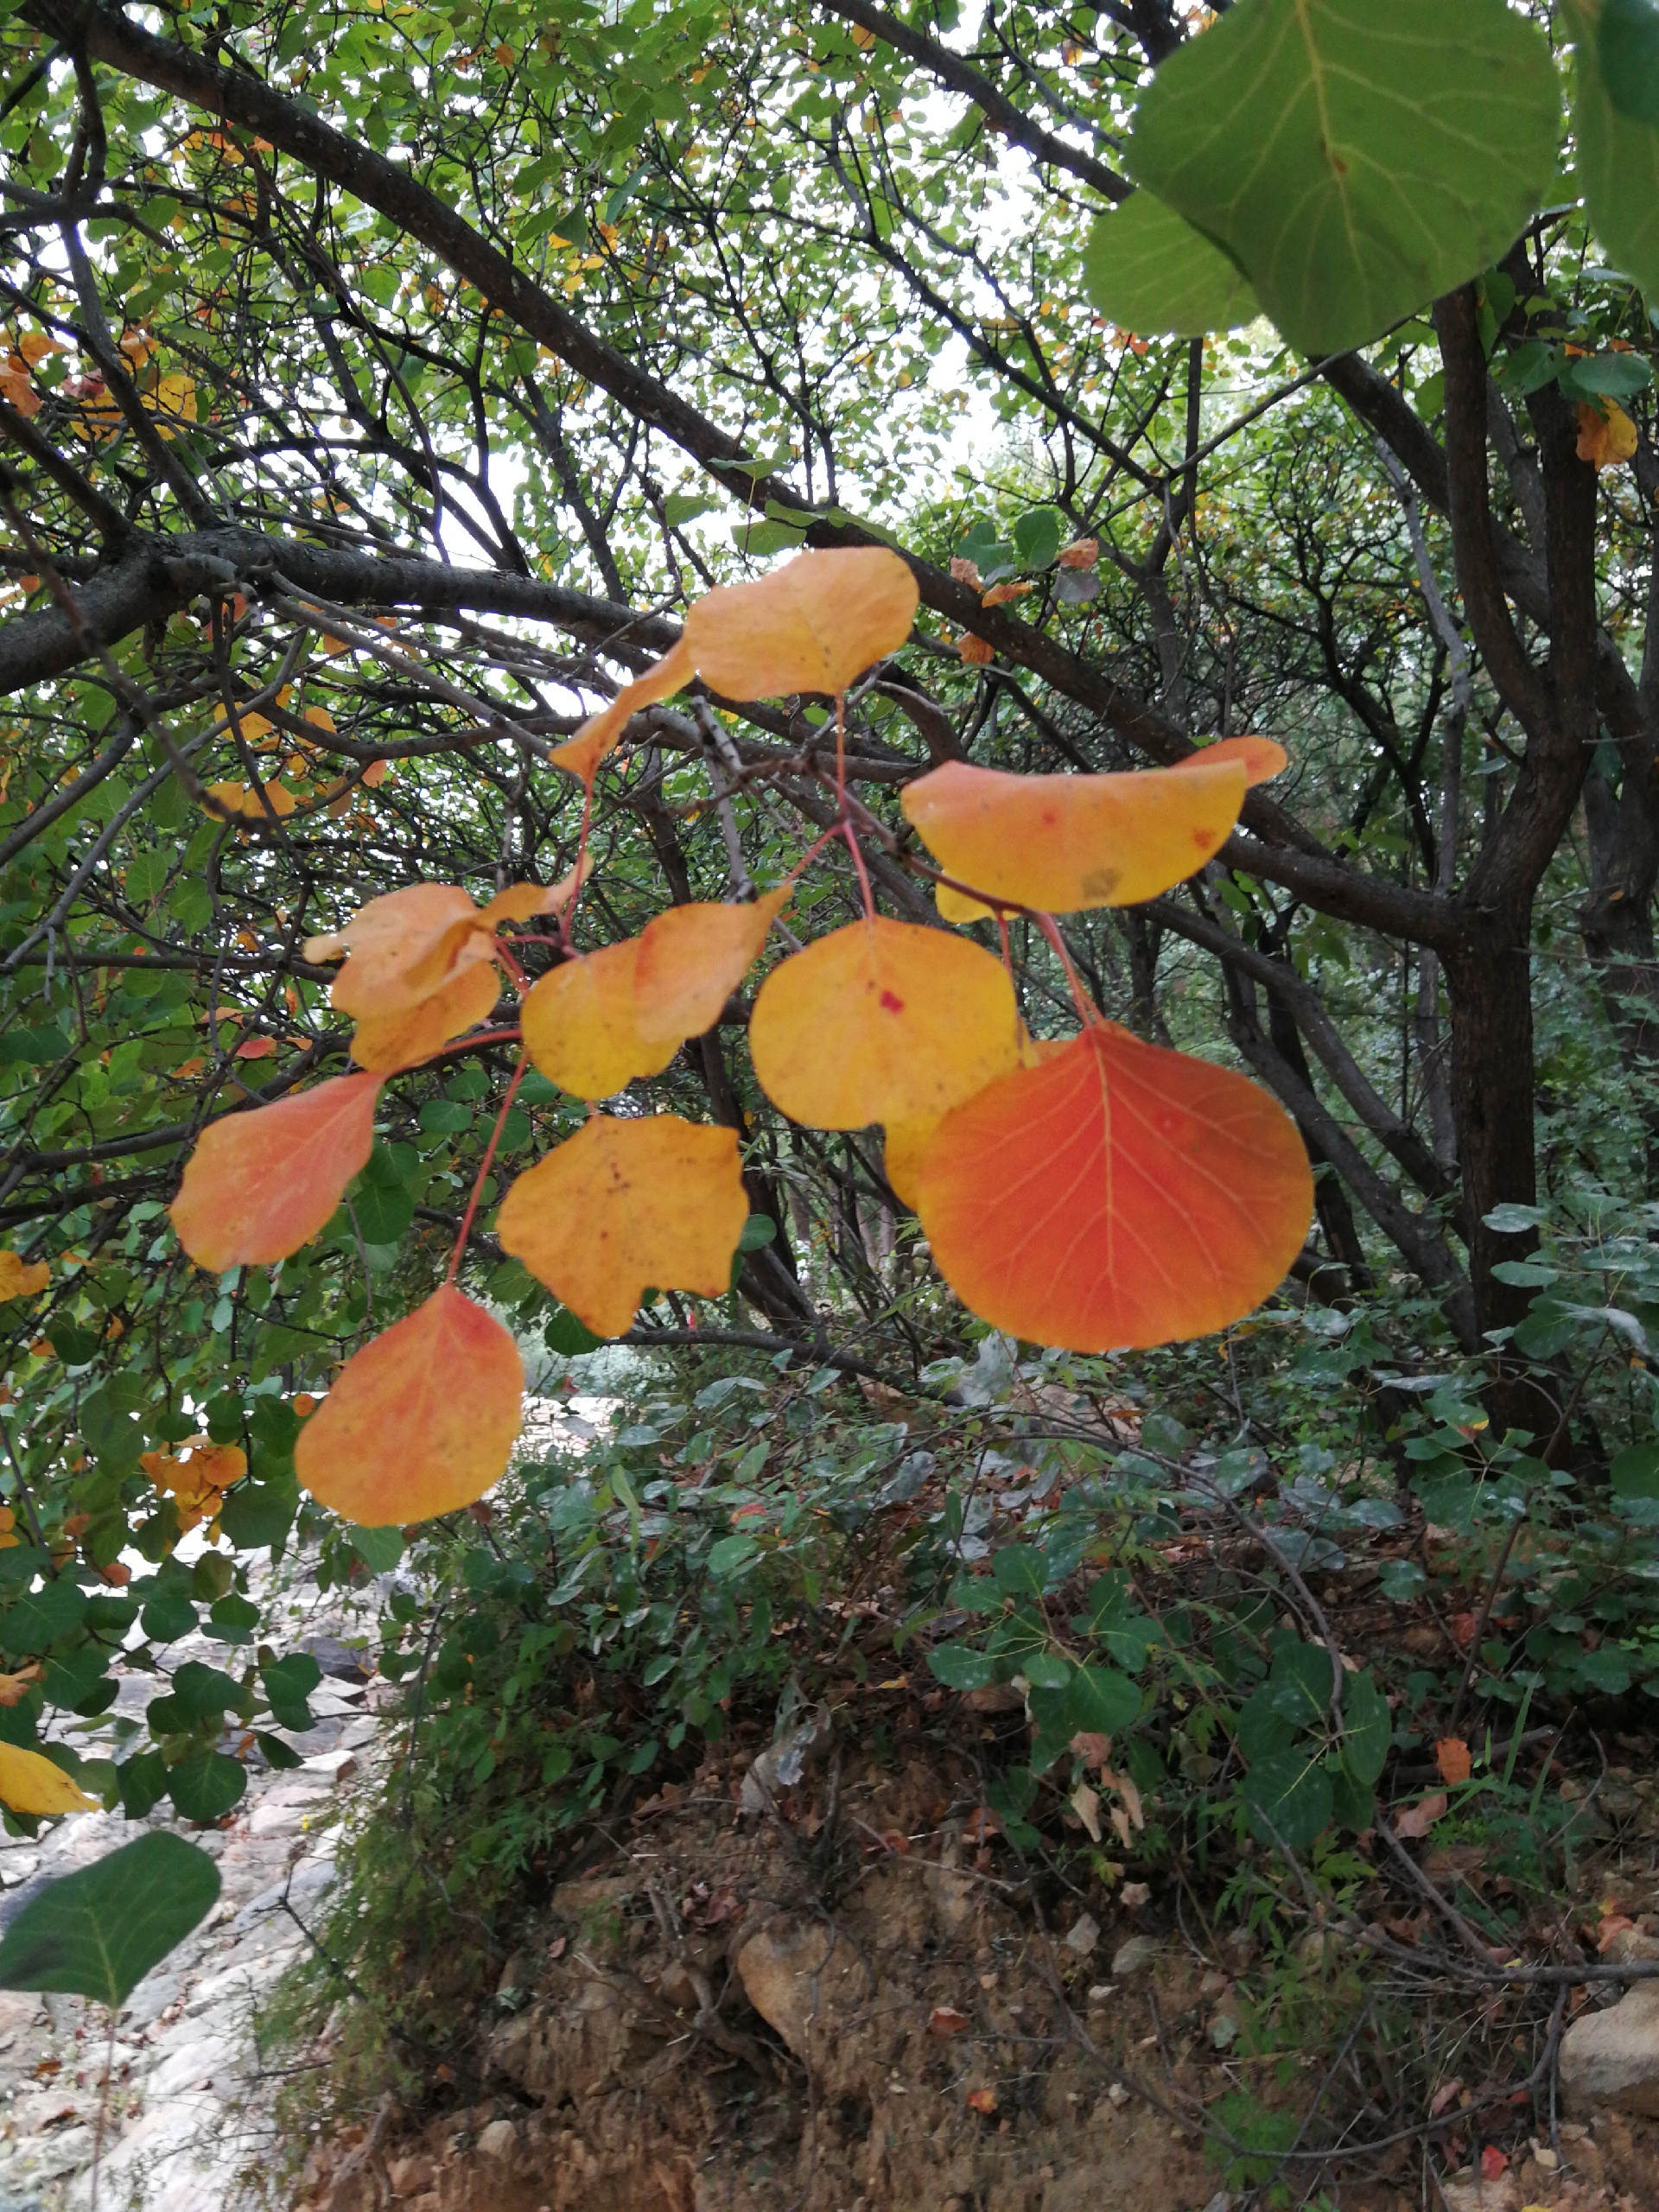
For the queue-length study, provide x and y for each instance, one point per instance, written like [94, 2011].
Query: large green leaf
[1368, 1729]
[1355, 159]
[1290, 1799]
[98, 1933]
[1616, 120]
[1153, 274]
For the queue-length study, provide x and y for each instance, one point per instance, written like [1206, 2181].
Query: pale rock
[1134, 1957]
[1083, 1934]
[798, 1978]
[409, 2176]
[498, 2141]
[1613, 2058]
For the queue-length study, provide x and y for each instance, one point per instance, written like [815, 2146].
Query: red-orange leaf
[419, 1423]
[258, 1185]
[1061, 844]
[625, 1204]
[1118, 1194]
[882, 1021]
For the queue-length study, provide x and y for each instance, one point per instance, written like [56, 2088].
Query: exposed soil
[845, 2003]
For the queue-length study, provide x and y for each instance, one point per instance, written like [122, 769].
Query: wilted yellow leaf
[252, 804]
[1607, 434]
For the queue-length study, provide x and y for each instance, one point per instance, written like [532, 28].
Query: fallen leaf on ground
[1452, 1756]
[1412, 1821]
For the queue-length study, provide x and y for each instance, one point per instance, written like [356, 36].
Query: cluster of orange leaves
[1090, 1192]
[196, 1477]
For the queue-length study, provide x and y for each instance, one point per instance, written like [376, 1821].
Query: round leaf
[98, 1932]
[1356, 161]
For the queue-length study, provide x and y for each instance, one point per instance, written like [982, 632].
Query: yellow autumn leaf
[1607, 434]
[30, 1783]
[250, 803]
[22, 1278]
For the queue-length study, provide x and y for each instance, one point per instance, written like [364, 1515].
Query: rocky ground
[185, 2115]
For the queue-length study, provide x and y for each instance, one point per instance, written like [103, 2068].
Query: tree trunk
[1489, 977]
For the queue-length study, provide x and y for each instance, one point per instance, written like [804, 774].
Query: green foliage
[97, 1933]
[1153, 272]
[1355, 163]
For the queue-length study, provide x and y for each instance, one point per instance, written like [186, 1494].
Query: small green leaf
[98, 1933]
[961, 1668]
[1039, 535]
[1153, 274]
[1635, 1472]
[1101, 1702]
[205, 1786]
[379, 1549]
[1367, 1729]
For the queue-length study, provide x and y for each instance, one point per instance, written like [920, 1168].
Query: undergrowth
[1227, 1627]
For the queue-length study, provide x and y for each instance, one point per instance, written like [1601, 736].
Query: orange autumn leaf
[598, 735]
[409, 1034]
[419, 964]
[882, 1021]
[419, 1423]
[999, 594]
[252, 804]
[14, 1688]
[260, 1185]
[1452, 1757]
[30, 1783]
[1607, 434]
[978, 652]
[1116, 1195]
[812, 624]
[195, 1477]
[1061, 844]
[388, 940]
[1264, 759]
[625, 1204]
[581, 1024]
[693, 958]
[22, 1278]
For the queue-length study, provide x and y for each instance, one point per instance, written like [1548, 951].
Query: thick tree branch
[956, 75]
